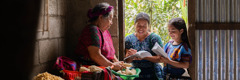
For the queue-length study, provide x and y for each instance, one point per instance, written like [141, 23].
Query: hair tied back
[89, 14]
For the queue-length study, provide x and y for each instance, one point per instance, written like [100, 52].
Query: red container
[72, 75]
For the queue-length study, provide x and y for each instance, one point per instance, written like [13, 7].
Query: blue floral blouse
[149, 70]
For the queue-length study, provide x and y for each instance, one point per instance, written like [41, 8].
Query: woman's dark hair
[179, 23]
[99, 9]
[144, 16]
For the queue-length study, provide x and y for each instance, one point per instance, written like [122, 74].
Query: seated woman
[144, 40]
[95, 46]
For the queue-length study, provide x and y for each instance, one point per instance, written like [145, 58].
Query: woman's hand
[131, 52]
[137, 58]
[155, 59]
[117, 65]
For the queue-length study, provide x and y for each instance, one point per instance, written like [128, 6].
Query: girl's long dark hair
[179, 23]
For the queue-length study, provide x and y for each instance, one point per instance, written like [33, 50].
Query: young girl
[178, 50]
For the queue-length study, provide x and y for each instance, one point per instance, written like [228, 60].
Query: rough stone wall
[49, 43]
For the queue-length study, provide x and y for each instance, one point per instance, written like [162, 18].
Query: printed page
[158, 50]
[140, 54]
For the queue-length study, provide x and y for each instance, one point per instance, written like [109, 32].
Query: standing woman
[95, 46]
[143, 39]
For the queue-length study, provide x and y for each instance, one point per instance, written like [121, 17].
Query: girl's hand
[131, 52]
[175, 63]
[164, 60]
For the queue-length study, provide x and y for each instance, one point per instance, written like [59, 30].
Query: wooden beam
[218, 26]
[191, 35]
[121, 26]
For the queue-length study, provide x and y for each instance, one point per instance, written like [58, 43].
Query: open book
[158, 50]
[140, 54]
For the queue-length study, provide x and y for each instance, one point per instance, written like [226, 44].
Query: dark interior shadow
[20, 19]
[76, 20]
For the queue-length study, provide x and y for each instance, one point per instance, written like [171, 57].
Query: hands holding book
[163, 59]
[132, 54]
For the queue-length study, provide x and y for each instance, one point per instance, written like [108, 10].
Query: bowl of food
[128, 74]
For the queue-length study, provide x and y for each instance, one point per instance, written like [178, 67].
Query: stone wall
[49, 43]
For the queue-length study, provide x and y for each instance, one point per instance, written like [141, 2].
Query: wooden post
[191, 35]
[121, 25]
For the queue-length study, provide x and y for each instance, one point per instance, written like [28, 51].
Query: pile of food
[127, 65]
[46, 76]
[91, 68]
[127, 71]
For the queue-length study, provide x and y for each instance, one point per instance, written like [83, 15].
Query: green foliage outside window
[160, 11]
